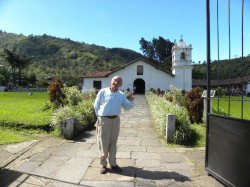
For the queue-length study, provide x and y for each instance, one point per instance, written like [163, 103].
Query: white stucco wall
[153, 77]
[183, 77]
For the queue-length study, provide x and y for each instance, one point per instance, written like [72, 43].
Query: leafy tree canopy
[158, 51]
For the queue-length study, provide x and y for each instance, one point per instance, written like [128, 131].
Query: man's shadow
[136, 172]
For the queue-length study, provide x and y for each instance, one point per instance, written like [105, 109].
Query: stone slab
[87, 153]
[27, 180]
[28, 166]
[123, 155]
[73, 170]
[171, 157]
[15, 148]
[39, 157]
[147, 163]
[93, 174]
[107, 183]
[131, 148]
[126, 142]
[4, 155]
[145, 155]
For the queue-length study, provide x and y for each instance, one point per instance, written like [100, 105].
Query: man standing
[108, 105]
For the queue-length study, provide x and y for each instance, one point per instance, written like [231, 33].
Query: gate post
[170, 127]
[68, 128]
[205, 109]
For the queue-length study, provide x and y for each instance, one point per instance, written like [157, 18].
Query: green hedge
[159, 108]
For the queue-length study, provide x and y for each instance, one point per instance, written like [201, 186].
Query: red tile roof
[97, 74]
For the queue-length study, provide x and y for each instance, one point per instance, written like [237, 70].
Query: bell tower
[181, 65]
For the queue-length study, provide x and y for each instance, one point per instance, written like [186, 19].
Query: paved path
[145, 160]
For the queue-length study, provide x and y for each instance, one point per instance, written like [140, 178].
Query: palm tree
[9, 57]
[22, 61]
[6, 74]
[16, 60]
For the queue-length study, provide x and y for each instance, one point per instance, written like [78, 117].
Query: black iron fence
[227, 142]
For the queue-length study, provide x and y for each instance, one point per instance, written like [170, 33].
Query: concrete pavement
[145, 159]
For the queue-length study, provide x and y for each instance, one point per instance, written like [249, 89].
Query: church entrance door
[139, 84]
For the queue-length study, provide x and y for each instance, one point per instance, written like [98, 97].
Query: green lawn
[235, 106]
[19, 109]
[22, 117]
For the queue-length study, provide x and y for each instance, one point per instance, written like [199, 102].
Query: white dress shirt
[109, 103]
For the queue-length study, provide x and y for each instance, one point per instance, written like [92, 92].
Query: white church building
[145, 75]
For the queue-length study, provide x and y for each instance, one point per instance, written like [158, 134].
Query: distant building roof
[97, 74]
[199, 82]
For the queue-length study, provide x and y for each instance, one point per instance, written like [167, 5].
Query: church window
[140, 70]
[182, 56]
[97, 84]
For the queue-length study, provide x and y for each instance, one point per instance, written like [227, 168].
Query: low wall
[27, 90]
[3, 88]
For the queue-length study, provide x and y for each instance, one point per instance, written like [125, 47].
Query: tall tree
[22, 61]
[158, 50]
[9, 57]
[16, 60]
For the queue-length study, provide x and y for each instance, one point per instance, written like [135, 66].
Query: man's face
[116, 82]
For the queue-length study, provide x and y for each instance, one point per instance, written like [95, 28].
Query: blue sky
[122, 23]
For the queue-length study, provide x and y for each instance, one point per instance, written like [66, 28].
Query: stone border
[17, 155]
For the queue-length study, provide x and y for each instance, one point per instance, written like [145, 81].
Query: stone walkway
[145, 160]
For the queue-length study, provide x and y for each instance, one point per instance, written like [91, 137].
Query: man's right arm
[97, 103]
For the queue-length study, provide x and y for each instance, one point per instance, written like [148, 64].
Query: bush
[71, 83]
[194, 105]
[219, 91]
[42, 83]
[92, 94]
[56, 94]
[83, 116]
[175, 96]
[159, 108]
[76, 107]
[219, 111]
[72, 96]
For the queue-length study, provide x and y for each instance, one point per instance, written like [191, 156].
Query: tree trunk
[19, 76]
[14, 76]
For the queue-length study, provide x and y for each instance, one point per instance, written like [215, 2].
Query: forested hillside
[223, 69]
[57, 57]
[63, 57]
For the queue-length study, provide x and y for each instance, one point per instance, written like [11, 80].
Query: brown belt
[109, 116]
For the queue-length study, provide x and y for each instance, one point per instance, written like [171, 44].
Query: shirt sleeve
[127, 104]
[97, 103]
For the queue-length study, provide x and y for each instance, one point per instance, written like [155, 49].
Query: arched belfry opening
[140, 86]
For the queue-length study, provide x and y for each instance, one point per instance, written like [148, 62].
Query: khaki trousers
[107, 134]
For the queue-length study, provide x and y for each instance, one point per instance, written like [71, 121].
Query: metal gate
[227, 138]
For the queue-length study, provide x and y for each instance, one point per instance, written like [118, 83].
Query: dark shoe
[116, 168]
[103, 170]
